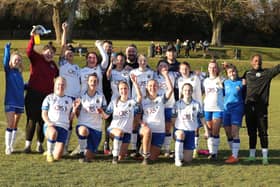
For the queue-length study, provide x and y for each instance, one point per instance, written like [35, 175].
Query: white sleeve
[104, 62]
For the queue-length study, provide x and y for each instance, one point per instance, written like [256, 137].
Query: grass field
[21, 169]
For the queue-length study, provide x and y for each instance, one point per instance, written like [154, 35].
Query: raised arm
[137, 88]
[109, 70]
[104, 62]
[31, 53]
[169, 91]
[7, 54]
[63, 38]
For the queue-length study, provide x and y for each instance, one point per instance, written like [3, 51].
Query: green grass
[20, 169]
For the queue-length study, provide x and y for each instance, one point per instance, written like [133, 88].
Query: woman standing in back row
[43, 70]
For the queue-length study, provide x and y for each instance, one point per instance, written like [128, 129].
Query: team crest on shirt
[129, 105]
[91, 108]
[237, 87]
[71, 71]
[194, 109]
[258, 74]
[97, 101]
[125, 74]
[149, 76]
[192, 79]
[66, 102]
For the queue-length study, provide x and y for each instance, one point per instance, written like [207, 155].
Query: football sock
[230, 141]
[264, 152]
[235, 147]
[216, 143]
[83, 143]
[14, 134]
[167, 142]
[179, 149]
[50, 146]
[133, 140]
[8, 137]
[196, 142]
[117, 142]
[252, 153]
[210, 144]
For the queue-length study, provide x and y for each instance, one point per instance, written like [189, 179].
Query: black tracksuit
[256, 103]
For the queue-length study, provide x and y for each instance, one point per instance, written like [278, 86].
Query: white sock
[39, 143]
[210, 144]
[167, 142]
[8, 137]
[133, 140]
[252, 153]
[230, 141]
[14, 135]
[235, 147]
[67, 140]
[83, 143]
[196, 142]
[27, 143]
[179, 150]
[216, 143]
[264, 152]
[50, 146]
[117, 142]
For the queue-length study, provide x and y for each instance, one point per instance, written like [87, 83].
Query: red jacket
[42, 73]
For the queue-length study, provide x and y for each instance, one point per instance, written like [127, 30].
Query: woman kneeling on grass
[56, 113]
[187, 111]
[122, 108]
[153, 116]
[89, 128]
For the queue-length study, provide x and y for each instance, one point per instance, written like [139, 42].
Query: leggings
[256, 121]
[33, 104]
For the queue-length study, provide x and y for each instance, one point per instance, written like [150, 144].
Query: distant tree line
[252, 22]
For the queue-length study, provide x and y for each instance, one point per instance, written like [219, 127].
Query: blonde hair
[20, 68]
[60, 78]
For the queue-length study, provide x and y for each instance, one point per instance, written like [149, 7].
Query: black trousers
[33, 104]
[257, 121]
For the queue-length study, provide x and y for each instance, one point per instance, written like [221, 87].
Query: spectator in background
[158, 49]
[131, 57]
[187, 45]
[171, 58]
[193, 45]
[151, 51]
[200, 45]
[178, 47]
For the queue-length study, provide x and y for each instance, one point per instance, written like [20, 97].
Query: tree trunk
[70, 20]
[217, 33]
[57, 22]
